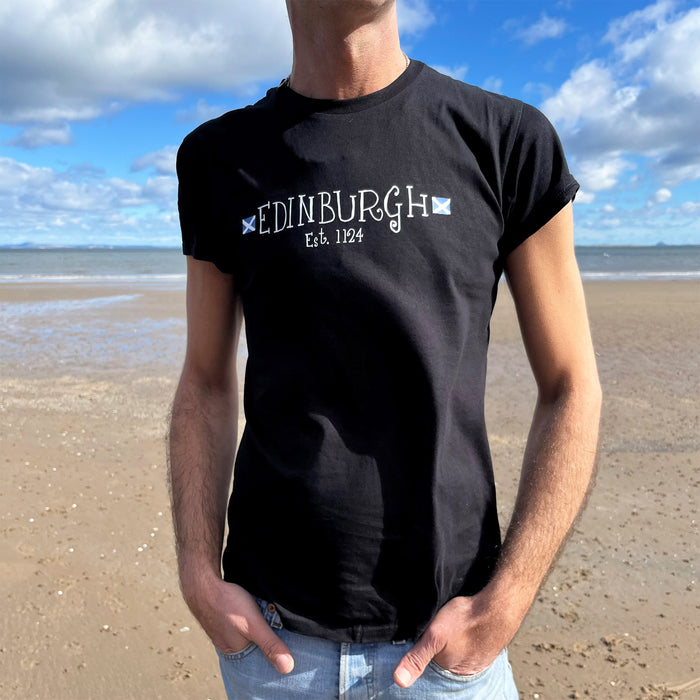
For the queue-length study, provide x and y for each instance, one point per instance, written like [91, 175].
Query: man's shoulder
[230, 126]
[490, 113]
[466, 94]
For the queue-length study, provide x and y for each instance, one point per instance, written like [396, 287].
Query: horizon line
[118, 246]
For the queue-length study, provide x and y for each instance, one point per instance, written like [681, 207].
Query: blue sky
[96, 96]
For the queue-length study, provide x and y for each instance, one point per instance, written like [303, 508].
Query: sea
[165, 267]
[100, 322]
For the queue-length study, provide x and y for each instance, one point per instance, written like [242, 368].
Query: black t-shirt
[366, 238]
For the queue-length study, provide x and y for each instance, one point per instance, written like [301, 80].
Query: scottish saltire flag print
[441, 205]
[249, 224]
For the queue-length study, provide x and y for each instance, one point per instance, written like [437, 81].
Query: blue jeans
[325, 670]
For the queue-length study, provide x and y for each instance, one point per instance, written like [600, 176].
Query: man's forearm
[558, 467]
[202, 443]
[469, 632]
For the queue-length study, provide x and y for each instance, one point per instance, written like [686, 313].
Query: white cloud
[457, 72]
[596, 174]
[493, 84]
[589, 89]
[641, 102]
[40, 199]
[635, 223]
[662, 195]
[76, 59]
[163, 161]
[546, 27]
[160, 190]
[690, 207]
[678, 165]
[71, 60]
[414, 16]
[201, 112]
[43, 135]
[628, 30]
[584, 197]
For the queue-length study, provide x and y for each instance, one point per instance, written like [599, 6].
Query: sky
[97, 95]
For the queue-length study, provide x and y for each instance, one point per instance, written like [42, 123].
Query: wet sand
[91, 608]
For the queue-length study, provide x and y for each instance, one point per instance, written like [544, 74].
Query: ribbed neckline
[290, 100]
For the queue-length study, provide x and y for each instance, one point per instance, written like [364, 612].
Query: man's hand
[465, 637]
[231, 618]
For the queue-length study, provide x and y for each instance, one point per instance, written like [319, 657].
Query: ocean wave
[57, 308]
[630, 275]
[93, 278]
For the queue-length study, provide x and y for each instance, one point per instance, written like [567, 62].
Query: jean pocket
[460, 678]
[238, 655]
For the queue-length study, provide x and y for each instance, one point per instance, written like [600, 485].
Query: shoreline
[177, 282]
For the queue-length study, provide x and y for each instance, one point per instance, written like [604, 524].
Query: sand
[91, 608]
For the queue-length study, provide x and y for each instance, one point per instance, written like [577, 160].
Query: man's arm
[469, 632]
[202, 443]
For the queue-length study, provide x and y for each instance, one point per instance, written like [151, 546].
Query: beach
[91, 606]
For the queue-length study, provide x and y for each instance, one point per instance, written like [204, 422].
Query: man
[360, 215]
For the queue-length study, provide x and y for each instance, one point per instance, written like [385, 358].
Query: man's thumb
[276, 651]
[413, 664]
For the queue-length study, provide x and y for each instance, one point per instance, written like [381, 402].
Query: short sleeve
[201, 236]
[537, 182]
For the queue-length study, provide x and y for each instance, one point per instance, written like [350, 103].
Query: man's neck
[344, 53]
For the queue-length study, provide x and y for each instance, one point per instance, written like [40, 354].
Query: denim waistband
[269, 611]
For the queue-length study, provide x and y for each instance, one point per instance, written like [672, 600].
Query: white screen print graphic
[335, 207]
